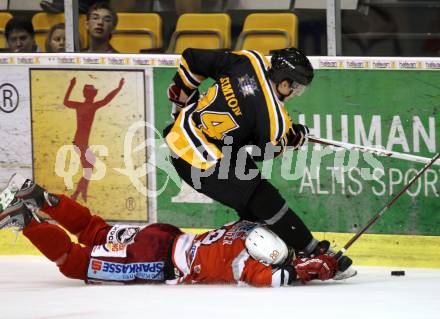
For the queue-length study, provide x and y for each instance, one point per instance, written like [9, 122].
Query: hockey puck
[397, 273]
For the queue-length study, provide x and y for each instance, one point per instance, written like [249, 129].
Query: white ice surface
[32, 287]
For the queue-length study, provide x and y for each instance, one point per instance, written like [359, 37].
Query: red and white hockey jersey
[220, 256]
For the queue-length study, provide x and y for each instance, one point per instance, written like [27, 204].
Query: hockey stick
[339, 254]
[372, 150]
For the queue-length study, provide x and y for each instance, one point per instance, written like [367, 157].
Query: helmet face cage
[290, 64]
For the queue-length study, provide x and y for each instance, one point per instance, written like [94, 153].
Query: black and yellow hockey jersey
[239, 109]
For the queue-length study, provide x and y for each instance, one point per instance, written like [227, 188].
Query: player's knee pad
[267, 204]
[76, 264]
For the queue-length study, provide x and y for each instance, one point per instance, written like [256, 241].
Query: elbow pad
[283, 276]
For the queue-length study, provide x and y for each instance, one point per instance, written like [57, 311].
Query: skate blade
[350, 272]
[14, 185]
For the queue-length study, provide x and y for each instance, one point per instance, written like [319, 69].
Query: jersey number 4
[217, 124]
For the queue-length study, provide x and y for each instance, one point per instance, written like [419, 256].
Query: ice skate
[34, 196]
[17, 214]
[347, 273]
[315, 248]
[7, 195]
[344, 264]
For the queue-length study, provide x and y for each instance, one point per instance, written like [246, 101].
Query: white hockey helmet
[265, 246]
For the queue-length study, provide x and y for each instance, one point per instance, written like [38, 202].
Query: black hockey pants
[254, 198]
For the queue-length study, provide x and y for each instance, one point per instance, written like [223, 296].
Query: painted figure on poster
[85, 114]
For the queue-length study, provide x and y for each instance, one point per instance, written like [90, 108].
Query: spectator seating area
[142, 32]
[42, 23]
[4, 18]
[137, 32]
[201, 30]
[267, 31]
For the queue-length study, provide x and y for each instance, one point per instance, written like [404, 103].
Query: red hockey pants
[54, 242]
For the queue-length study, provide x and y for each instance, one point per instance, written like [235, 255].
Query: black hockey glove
[296, 136]
[173, 93]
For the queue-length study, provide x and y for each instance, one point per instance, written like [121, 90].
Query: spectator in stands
[20, 36]
[56, 39]
[100, 23]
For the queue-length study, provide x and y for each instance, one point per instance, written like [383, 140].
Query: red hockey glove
[321, 267]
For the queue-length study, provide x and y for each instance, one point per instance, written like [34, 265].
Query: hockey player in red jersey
[241, 252]
[244, 106]
[244, 252]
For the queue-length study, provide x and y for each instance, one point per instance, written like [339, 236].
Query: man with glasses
[100, 23]
[245, 106]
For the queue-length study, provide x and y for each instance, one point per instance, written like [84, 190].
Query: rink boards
[369, 250]
[370, 101]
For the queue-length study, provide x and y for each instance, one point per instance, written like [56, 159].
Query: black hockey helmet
[290, 64]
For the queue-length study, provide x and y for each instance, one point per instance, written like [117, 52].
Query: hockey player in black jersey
[245, 106]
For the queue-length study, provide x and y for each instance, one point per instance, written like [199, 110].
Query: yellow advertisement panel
[80, 123]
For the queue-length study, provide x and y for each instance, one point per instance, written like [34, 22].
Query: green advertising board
[339, 191]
